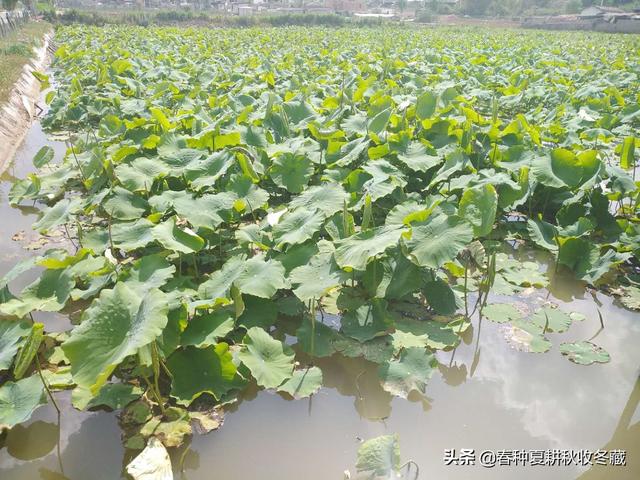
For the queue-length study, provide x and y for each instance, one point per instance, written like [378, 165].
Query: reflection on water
[486, 396]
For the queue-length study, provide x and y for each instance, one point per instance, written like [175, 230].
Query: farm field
[293, 252]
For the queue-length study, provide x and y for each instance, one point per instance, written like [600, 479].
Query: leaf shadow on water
[35, 440]
[358, 378]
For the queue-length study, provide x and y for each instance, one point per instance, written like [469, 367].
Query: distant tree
[9, 4]
[573, 6]
[476, 7]
[402, 4]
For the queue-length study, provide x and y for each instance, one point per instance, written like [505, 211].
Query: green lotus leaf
[426, 105]
[317, 277]
[400, 277]
[379, 122]
[49, 293]
[316, 338]
[402, 340]
[438, 240]
[501, 312]
[116, 396]
[18, 400]
[526, 337]
[297, 227]
[303, 383]
[140, 174]
[380, 457]
[207, 211]
[57, 215]
[125, 205]
[411, 371]
[266, 358]
[150, 271]
[130, 236]
[377, 350]
[629, 296]
[577, 253]
[206, 329]
[215, 374]
[584, 353]
[440, 297]
[258, 312]
[417, 159]
[523, 274]
[250, 194]
[205, 172]
[627, 160]
[359, 249]
[555, 320]
[11, 335]
[291, 172]
[227, 140]
[478, 206]
[172, 237]
[44, 156]
[218, 286]
[369, 321]
[563, 168]
[437, 335]
[543, 234]
[115, 326]
[261, 278]
[328, 198]
[299, 255]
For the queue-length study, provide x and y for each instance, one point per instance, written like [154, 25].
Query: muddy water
[487, 396]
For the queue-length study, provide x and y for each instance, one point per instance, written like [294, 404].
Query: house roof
[594, 10]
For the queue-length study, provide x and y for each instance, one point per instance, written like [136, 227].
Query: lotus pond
[269, 251]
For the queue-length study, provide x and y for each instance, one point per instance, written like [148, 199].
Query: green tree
[9, 4]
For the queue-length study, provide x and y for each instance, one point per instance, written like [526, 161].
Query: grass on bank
[15, 51]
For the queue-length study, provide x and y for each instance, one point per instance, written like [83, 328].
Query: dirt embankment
[19, 111]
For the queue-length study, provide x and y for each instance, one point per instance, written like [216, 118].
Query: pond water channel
[486, 396]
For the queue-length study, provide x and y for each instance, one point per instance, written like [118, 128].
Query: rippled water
[486, 397]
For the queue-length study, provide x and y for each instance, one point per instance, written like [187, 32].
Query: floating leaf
[411, 371]
[303, 383]
[527, 337]
[501, 312]
[584, 353]
[153, 463]
[380, 456]
[554, 319]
